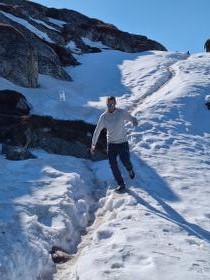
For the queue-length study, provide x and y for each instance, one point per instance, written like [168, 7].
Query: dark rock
[65, 55]
[12, 102]
[70, 16]
[59, 255]
[19, 62]
[62, 147]
[208, 105]
[55, 136]
[97, 30]
[114, 38]
[16, 153]
[207, 101]
[26, 7]
[48, 61]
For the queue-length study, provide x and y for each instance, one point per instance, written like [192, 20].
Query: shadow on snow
[173, 216]
[161, 193]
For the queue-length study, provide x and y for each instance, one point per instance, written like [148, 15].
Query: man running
[113, 119]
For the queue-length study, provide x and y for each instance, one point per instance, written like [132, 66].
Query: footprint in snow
[192, 241]
[116, 265]
[207, 215]
[117, 203]
[104, 234]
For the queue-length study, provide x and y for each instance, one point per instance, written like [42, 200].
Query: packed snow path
[115, 244]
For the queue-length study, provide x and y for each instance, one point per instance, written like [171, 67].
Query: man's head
[111, 103]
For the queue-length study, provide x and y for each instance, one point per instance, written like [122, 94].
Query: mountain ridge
[52, 41]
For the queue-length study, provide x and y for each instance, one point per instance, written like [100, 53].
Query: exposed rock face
[96, 30]
[50, 31]
[55, 136]
[112, 37]
[48, 61]
[18, 58]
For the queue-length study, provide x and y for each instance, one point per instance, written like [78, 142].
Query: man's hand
[92, 150]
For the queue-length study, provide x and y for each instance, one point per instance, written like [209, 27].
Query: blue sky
[180, 25]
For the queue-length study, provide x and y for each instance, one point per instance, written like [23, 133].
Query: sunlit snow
[160, 227]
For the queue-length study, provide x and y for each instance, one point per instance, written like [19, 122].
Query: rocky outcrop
[20, 131]
[48, 32]
[96, 30]
[13, 103]
[16, 153]
[18, 58]
[64, 54]
[48, 61]
[112, 37]
[54, 136]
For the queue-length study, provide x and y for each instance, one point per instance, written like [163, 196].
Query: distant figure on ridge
[113, 119]
[207, 101]
[207, 45]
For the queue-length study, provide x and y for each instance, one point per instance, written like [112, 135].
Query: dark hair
[111, 98]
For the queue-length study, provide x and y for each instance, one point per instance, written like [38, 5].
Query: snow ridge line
[171, 74]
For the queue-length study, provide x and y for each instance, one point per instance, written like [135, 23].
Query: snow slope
[160, 227]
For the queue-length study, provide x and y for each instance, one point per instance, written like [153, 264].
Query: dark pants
[121, 150]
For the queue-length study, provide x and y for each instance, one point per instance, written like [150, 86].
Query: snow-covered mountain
[160, 227]
[36, 40]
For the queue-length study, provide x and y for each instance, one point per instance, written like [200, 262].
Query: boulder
[59, 255]
[14, 103]
[18, 58]
[16, 153]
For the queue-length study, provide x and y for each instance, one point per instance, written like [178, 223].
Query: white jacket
[115, 125]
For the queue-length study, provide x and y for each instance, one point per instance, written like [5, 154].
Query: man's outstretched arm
[99, 127]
